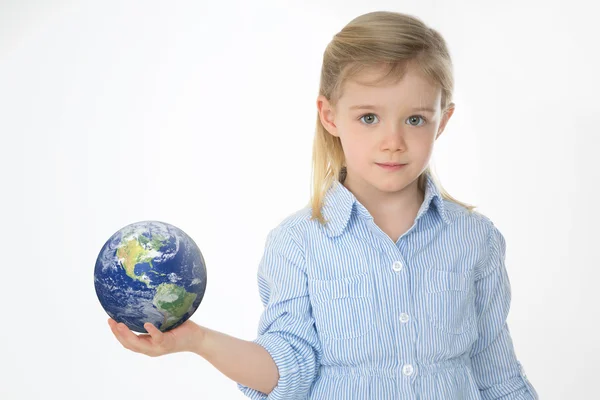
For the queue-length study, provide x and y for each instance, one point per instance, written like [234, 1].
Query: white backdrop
[202, 115]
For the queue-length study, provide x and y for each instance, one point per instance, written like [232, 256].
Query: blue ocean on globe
[150, 271]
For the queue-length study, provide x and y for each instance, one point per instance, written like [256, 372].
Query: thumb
[158, 337]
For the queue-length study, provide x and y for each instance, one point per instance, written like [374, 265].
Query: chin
[394, 184]
[394, 188]
[388, 186]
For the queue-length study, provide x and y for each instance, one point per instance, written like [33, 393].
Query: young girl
[384, 287]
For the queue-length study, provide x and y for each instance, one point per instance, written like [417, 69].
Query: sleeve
[286, 327]
[498, 373]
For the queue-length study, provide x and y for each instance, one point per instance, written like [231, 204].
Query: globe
[150, 271]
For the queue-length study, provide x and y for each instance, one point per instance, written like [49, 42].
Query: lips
[391, 166]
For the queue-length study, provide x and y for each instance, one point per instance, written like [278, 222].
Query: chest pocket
[449, 301]
[343, 308]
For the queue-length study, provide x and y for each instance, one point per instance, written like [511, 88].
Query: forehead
[372, 86]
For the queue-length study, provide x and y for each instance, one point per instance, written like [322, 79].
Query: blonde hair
[381, 38]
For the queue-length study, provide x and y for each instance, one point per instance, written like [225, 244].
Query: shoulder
[458, 213]
[295, 220]
[291, 228]
[474, 225]
[478, 230]
[299, 229]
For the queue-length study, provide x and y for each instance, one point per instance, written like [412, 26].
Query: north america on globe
[150, 271]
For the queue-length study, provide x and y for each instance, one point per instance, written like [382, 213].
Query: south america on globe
[150, 271]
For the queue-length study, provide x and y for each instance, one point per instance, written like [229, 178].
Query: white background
[202, 115]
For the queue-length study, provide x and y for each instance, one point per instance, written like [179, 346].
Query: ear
[445, 119]
[327, 115]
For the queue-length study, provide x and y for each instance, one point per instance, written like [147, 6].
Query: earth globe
[150, 271]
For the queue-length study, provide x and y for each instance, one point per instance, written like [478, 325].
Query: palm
[155, 342]
[177, 337]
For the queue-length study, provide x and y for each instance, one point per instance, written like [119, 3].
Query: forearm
[242, 361]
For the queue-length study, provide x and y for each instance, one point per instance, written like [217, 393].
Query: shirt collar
[340, 203]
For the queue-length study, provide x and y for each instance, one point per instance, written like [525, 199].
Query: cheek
[427, 148]
[421, 144]
[355, 151]
[424, 153]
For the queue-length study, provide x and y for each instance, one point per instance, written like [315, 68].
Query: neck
[400, 206]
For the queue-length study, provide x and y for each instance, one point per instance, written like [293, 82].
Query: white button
[404, 317]
[397, 266]
[407, 370]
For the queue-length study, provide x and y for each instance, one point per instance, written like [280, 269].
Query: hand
[156, 343]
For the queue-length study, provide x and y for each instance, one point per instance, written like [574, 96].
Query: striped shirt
[349, 314]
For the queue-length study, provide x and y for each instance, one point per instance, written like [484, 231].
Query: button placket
[407, 369]
[397, 266]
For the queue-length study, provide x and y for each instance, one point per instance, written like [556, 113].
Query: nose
[393, 139]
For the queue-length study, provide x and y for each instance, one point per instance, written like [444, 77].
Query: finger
[113, 327]
[130, 340]
[119, 336]
[158, 337]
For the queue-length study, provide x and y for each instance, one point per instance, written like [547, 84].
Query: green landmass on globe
[173, 301]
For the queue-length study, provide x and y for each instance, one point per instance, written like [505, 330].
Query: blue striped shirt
[349, 314]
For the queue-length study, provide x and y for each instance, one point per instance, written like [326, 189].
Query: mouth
[391, 166]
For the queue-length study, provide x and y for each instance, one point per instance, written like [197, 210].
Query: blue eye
[418, 116]
[370, 115]
[365, 116]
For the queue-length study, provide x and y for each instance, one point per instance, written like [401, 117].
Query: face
[385, 124]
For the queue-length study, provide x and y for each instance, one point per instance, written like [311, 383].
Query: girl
[384, 287]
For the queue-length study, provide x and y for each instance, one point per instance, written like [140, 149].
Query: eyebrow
[370, 107]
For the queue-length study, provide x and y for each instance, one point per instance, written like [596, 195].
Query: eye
[412, 117]
[367, 115]
[370, 121]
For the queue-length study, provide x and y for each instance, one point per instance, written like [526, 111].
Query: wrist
[198, 344]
